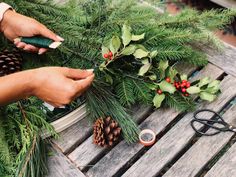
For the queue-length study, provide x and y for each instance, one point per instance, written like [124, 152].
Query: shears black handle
[218, 124]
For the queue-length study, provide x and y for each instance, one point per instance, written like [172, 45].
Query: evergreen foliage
[87, 25]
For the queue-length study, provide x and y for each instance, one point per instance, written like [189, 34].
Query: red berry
[159, 91]
[184, 81]
[183, 90]
[110, 57]
[168, 79]
[110, 54]
[105, 55]
[183, 84]
[186, 94]
[188, 84]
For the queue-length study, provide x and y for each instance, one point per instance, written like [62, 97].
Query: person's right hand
[58, 86]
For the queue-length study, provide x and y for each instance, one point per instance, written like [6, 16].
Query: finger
[31, 48]
[21, 45]
[42, 50]
[83, 84]
[44, 31]
[78, 73]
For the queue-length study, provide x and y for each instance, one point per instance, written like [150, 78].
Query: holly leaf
[153, 54]
[158, 99]
[152, 86]
[193, 90]
[140, 53]
[102, 66]
[163, 65]
[213, 87]
[204, 81]
[144, 69]
[126, 34]
[138, 37]
[140, 46]
[128, 50]
[184, 77]
[115, 44]
[108, 79]
[104, 50]
[153, 77]
[145, 61]
[172, 73]
[207, 96]
[167, 87]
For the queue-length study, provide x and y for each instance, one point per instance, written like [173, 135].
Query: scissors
[217, 123]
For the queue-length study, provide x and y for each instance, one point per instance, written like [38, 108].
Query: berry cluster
[182, 86]
[108, 55]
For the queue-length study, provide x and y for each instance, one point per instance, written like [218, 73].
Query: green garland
[144, 48]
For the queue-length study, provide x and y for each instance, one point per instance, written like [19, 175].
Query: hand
[60, 85]
[16, 25]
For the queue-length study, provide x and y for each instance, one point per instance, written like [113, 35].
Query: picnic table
[178, 151]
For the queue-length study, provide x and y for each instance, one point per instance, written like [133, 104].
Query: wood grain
[225, 167]
[60, 166]
[120, 155]
[191, 163]
[87, 151]
[226, 60]
[152, 162]
[74, 135]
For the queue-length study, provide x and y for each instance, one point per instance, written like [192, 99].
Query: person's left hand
[15, 25]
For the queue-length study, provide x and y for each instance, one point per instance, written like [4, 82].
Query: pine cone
[10, 62]
[106, 132]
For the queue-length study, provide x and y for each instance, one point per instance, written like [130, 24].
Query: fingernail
[16, 40]
[90, 70]
[40, 53]
[60, 38]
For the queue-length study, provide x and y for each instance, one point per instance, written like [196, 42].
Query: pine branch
[124, 91]
[33, 162]
[179, 102]
[6, 159]
[142, 92]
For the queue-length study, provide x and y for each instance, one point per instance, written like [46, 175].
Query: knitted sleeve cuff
[3, 8]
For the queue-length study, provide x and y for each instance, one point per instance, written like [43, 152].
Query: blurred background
[228, 34]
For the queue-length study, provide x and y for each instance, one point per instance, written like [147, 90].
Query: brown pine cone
[10, 62]
[106, 132]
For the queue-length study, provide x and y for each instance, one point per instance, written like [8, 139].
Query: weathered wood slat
[152, 162]
[88, 151]
[74, 135]
[192, 162]
[226, 60]
[225, 167]
[111, 164]
[60, 166]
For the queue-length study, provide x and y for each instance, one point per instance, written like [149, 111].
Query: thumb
[77, 74]
[44, 31]
[83, 84]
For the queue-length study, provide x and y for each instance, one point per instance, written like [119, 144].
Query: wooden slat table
[178, 150]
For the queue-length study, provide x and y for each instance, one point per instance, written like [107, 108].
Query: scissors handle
[211, 123]
[200, 132]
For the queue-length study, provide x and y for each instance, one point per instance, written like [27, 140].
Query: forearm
[16, 86]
